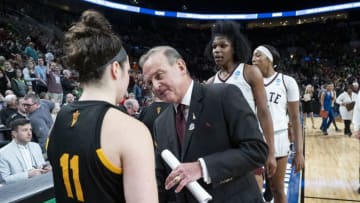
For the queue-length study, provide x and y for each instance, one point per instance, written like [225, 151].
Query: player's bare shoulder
[210, 80]
[252, 73]
[125, 124]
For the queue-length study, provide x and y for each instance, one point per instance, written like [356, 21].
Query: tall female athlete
[283, 96]
[230, 51]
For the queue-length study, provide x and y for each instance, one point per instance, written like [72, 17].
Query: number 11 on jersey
[74, 167]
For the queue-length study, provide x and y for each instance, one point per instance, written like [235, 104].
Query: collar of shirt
[26, 156]
[20, 146]
[187, 97]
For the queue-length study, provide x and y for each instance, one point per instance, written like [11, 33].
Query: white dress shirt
[186, 101]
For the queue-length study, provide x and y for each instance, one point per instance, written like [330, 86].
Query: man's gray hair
[9, 98]
[32, 96]
[169, 52]
[130, 103]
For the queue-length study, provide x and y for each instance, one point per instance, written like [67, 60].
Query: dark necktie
[180, 122]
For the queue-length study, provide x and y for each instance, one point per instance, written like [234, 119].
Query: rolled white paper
[194, 187]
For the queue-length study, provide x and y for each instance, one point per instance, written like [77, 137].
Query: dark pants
[347, 124]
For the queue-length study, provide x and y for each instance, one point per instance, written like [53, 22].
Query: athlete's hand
[270, 165]
[298, 162]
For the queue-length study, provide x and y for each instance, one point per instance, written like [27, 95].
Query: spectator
[9, 92]
[55, 90]
[21, 113]
[18, 84]
[346, 100]
[21, 159]
[40, 117]
[10, 109]
[69, 99]
[9, 70]
[137, 90]
[132, 107]
[355, 87]
[30, 51]
[2, 61]
[4, 82]
[307, 104]
[67, 84]
[29, 74]
[40, 72]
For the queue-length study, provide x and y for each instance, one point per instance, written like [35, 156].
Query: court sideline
[331, 165]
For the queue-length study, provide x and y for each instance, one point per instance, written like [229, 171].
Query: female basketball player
[230, 51]
[282, 95]
[98, 153]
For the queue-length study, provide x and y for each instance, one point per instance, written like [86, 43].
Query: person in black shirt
[98, 153]
[151, 112]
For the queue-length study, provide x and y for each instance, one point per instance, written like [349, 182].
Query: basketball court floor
[332, 164]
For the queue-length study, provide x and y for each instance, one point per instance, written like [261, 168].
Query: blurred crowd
[31, 52]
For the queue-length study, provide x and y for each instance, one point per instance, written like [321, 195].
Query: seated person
[132, 107]
[21, 113]
[11, 108]
[21, 158]
[69, 99]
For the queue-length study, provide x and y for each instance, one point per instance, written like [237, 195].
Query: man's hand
[270, 165]
[35, 172]
[47, 168]
[182, 175]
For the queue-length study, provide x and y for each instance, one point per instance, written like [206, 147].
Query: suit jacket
[150, 113]
[223, 130]
[12, 166]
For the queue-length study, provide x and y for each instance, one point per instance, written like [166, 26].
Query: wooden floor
[331, 165]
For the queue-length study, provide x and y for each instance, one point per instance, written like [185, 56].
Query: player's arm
[139, 166]
[255, 78]
[127, 143]
[294, 115]
[322, 96]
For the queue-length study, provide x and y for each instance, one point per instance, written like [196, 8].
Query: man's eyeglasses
[28, 105]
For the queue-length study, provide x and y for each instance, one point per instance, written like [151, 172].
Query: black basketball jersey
[81, 171]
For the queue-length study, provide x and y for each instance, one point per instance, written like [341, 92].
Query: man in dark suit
[221, 145]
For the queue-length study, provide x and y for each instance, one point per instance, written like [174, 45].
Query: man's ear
[182, 65]
[13, 133]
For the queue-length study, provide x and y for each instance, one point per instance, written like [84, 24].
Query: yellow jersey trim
[47, 143]
[104, 160]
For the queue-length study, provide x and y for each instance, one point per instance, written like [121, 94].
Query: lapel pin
[191, 126]
[194, 117]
